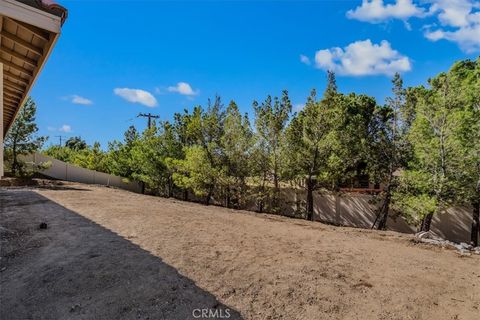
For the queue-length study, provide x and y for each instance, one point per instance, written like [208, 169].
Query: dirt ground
[112, 254]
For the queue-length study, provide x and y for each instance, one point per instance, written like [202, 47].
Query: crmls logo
[211, 313]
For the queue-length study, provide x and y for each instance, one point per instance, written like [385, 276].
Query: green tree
[205, 131]
[270, 124]
[465, 75]
[97, 158]
[172, 148]
[76, 143]
[390, 147]
[60, 153]
[469, 165]
[148, 156]
[21, 139]
[119, 157]
[430, 175]
[237, 143]
[197, 173]
[179, 139]
[327, 139]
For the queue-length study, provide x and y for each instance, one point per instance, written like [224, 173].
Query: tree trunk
[143, 187]
[209, 195]
[382, 223]
[426, 222]
[310, 187]
[170, 187]
[14, 161]
[262, 193]
[228, 198]
[276, 190]
[185, 195]
[260, 206]
[475, 224]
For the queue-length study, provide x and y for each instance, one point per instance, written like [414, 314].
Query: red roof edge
[53, 7]
[49, 6]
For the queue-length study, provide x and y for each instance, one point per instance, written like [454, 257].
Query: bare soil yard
[112, 254]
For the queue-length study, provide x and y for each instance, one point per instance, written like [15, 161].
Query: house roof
[28, 32]
[49, 6]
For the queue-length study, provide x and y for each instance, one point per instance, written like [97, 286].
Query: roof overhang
[28, 32]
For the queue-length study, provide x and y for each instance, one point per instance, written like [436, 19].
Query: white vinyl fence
[347, 209]
[69, 172]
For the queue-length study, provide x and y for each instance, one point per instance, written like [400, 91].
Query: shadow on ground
[77, 269]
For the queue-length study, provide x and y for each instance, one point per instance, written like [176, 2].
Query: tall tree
[430, 176]
[120, 154]
[270, 124]
[326, 139]
[465, 75]
[390, 146]
[205, 129]
[307, 145]
[237, 143]
[172, 148]
[181, 140]
[21, 139]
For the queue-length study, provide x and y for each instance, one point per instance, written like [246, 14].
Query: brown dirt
[111, 254]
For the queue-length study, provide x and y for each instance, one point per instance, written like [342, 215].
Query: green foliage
[390, 125]
[76, 143]
[21, 139]
[237, 144]
[423, 145]
[92, 158]
[444, 136]
[204, 129]
[327, 140]
[271, 118]
[413, 196]
[196, 171]
[120, 161]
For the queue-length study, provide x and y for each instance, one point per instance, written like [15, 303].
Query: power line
[149, 116]
[60, 140]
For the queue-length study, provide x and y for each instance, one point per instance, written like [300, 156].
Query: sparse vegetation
[423, 145]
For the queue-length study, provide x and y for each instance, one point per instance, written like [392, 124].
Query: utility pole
[149, 116]
[60, 138]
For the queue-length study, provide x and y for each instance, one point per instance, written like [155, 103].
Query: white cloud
[304, 59]
[80, 100]
[363, 58]
[458, 20]
[460, 23]
[183, 88]
[453, 13]
[298, 107]
[376, 11]
[65, 128]
[136, 96]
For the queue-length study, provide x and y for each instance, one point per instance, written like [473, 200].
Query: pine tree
[390, 147]
[201, 170]
[21, 138]
[237, 143]
[428, 185]
[270, 123]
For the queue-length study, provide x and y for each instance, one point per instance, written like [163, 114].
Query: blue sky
[241, 50]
